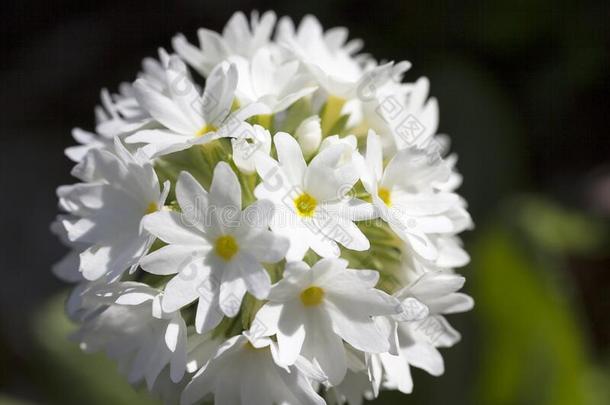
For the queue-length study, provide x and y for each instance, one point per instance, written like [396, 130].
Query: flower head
[278, 226]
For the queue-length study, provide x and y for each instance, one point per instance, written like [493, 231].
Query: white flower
[187, 117]
[313, 311]
[216, 249]
[133, 330]
[418, 341]
[117, 115]
[402, 196]
[88, 141]
[312, 208]
[403, 119]
[126, 103]
[331, 60]
[270, 81]
[327, 55]
[245, 371]
[239, 38]
[105, 212]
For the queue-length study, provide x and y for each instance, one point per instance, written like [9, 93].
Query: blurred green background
[524, 92]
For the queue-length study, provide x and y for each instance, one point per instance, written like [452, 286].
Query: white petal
[436, 284]
[374, 156]
[209, 313]
[219, 93]
[327, 178]
[290, 332]
[266, 246]
[172, 227]
[178, 360]
[185, 287]
[451, 304]
[232, 290]
[162, 108]
[290, 157]
[397, 373]
[359, 331]
[323, 345]
[225, 194]
[183, 92]
[156, 136]
[255, 277]
[193, 200]
[170, 259]
[266, 320]
[426, 357]
[258, 215]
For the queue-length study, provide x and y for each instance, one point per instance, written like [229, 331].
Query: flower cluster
[268, 217]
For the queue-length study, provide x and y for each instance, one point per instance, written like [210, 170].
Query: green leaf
[558, 229]
[532, 348]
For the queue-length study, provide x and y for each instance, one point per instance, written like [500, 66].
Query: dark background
[524, 92]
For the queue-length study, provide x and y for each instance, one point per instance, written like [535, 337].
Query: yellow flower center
[312, 296]
[385, 195]
[226, 247]
[305, 205]
[152, 207]
[205, 129]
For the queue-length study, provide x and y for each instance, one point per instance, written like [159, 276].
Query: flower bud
[309, 135]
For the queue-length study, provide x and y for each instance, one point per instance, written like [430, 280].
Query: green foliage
[557, 229]
[12, 401]
[533, 351]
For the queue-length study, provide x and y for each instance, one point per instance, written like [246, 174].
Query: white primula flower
[187, 117]
[246, 371]
[331, 60]
[110, 123]
[239, 38]
[312, 311]
[436, 293]
[87, 141]
[270, 81]
[312, 206]
[412, 209]
[126, 103]
[106, 212]
[134, 331]
[215, 249]
[120, 114]
[403, 119]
